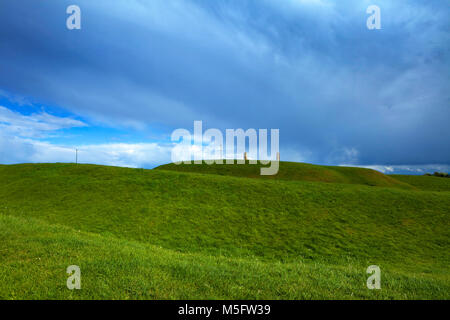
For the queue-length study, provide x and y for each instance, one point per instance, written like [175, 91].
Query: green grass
[165, 234]
[35, 256]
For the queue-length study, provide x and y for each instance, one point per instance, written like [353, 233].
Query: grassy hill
[168, 234]
[429, 183]
[295, 171]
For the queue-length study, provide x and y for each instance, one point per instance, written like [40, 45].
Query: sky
[116, 89]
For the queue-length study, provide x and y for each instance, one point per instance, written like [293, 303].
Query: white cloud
[23, 150]
[20, 134]
[404, 169]
[35, 125]
[126, 154]
[381, 168]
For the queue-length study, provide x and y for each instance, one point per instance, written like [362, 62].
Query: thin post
[278, 156]
[76, 156]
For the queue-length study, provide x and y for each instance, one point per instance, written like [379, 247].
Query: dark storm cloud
[339, 93]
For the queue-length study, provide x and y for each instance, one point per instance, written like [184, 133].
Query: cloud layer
[339, 93]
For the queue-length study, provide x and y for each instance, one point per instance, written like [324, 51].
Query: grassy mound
[295, 171]
[200, 230]
[429, 183]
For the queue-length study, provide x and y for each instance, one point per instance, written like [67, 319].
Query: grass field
[200, 232]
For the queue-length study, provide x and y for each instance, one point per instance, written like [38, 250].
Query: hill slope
[34, 256]
[429, 183]
[295, 171]
[260, 224]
